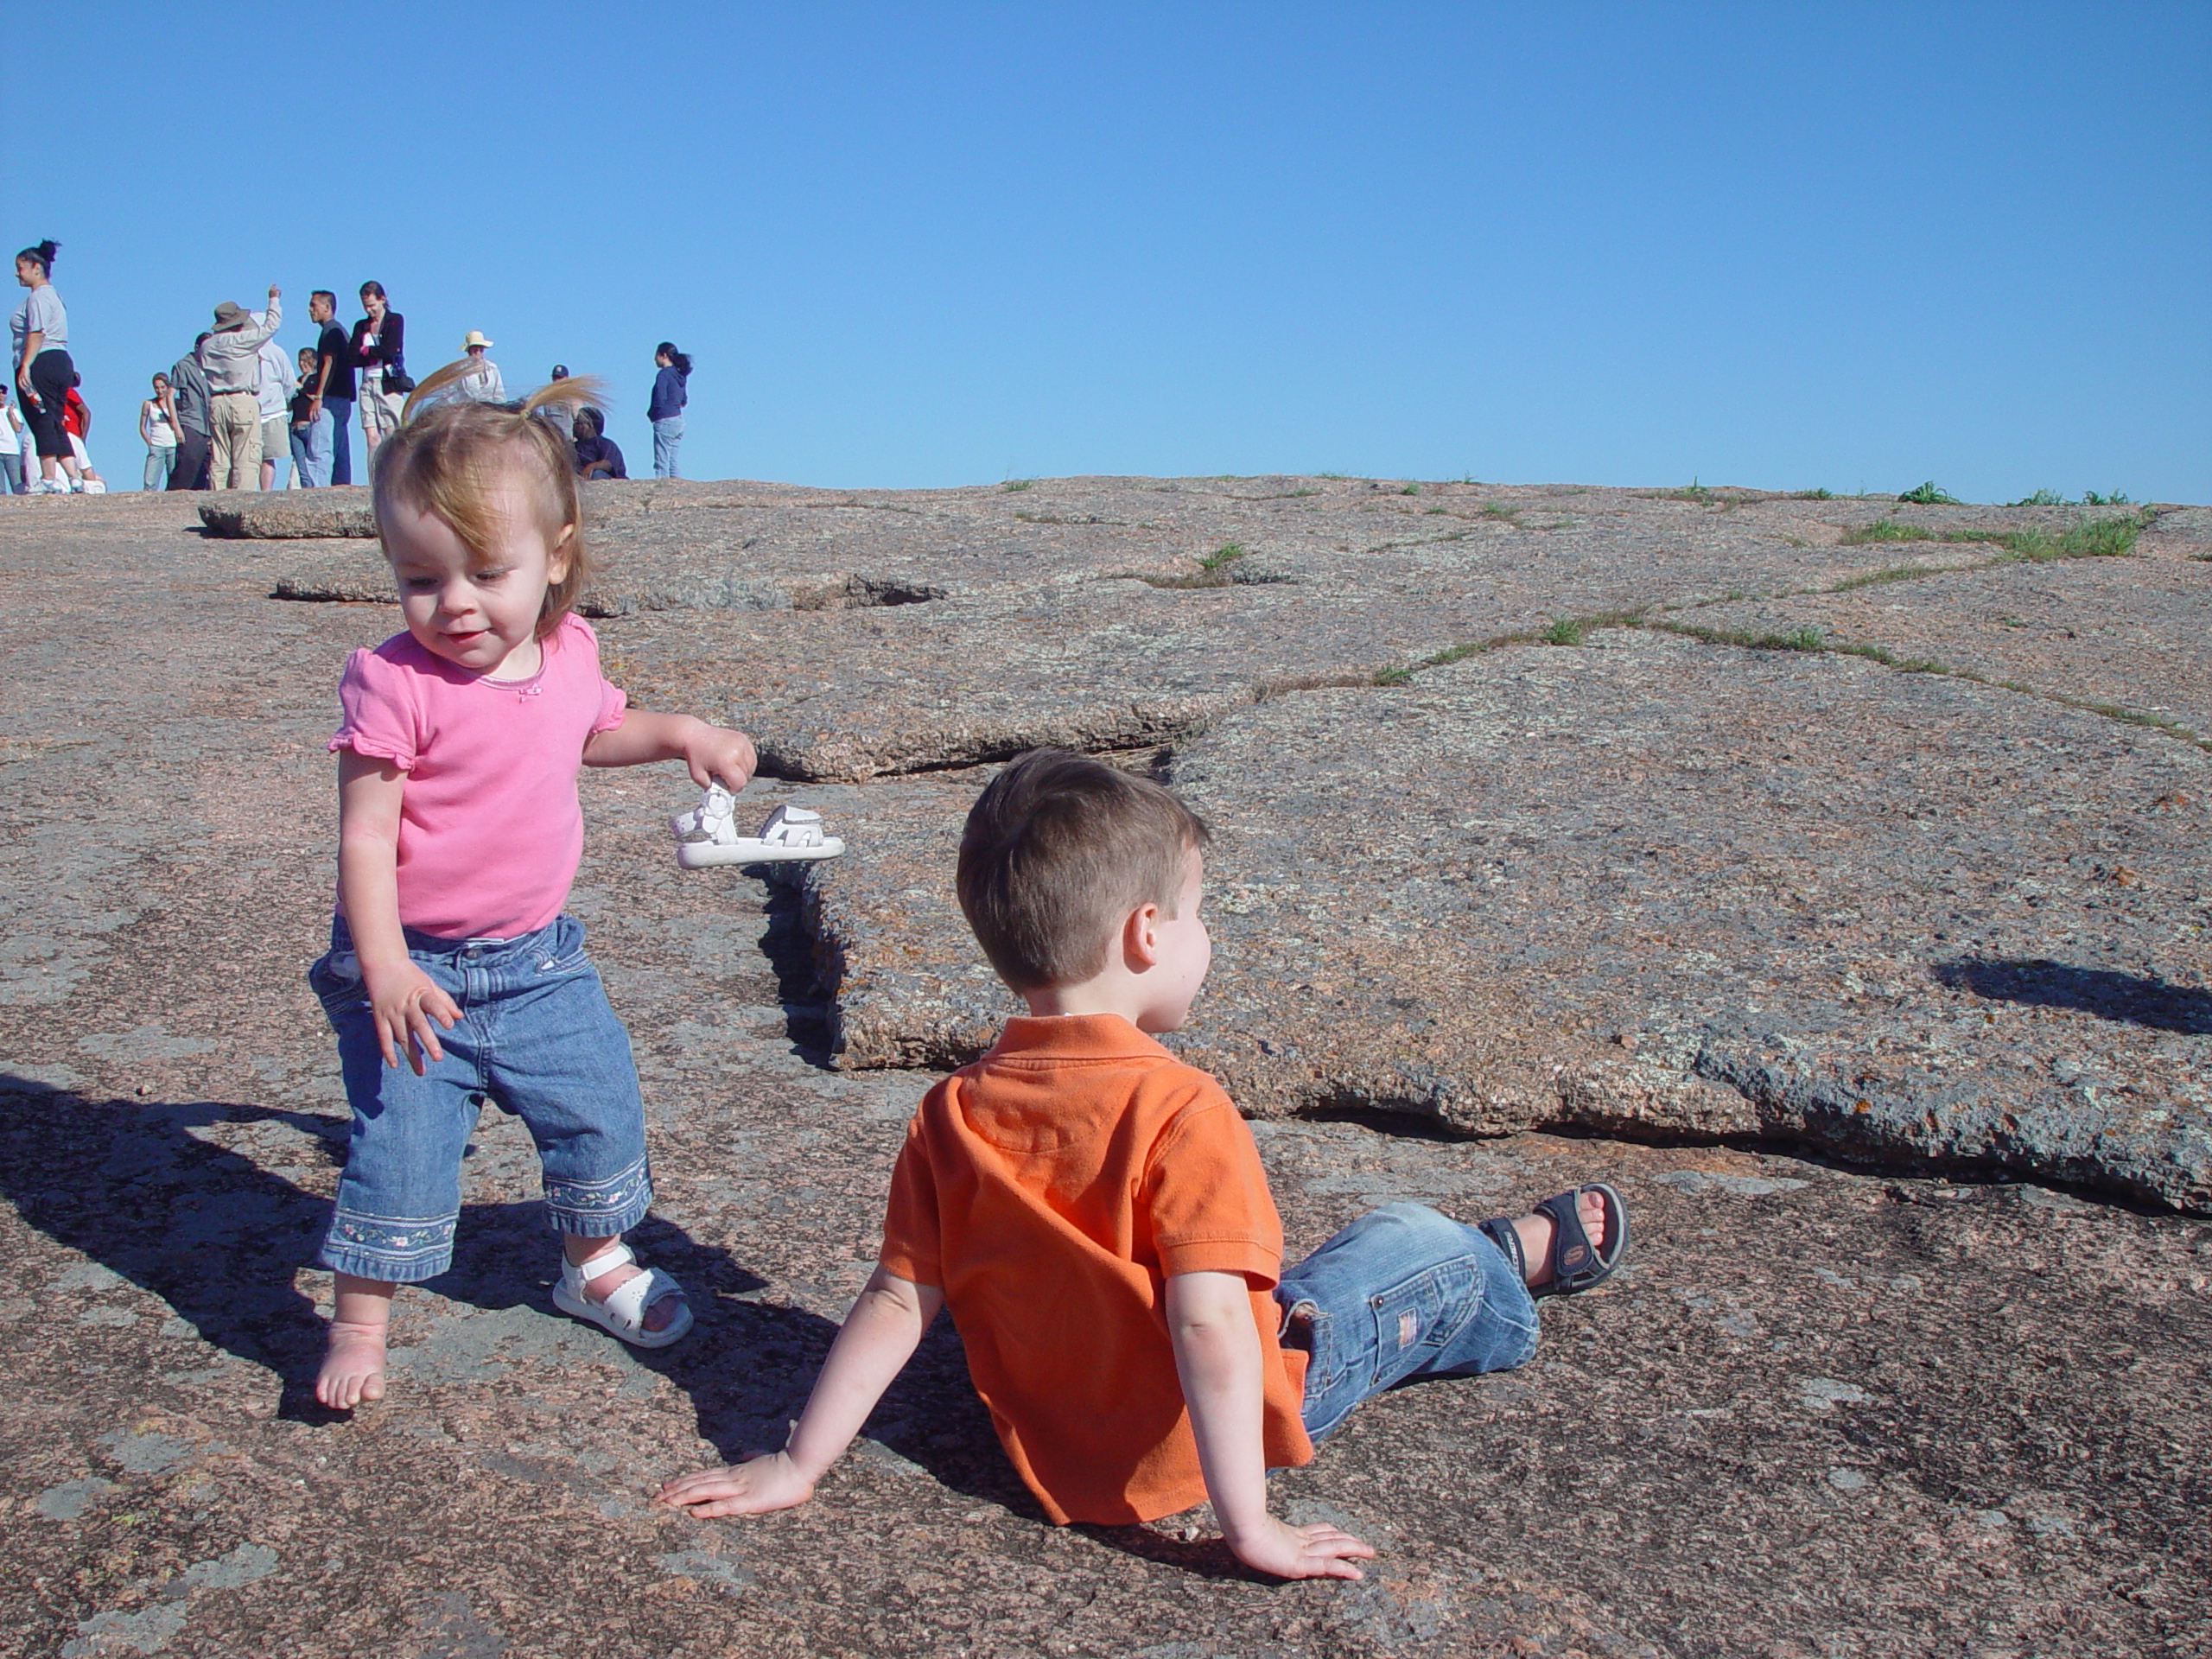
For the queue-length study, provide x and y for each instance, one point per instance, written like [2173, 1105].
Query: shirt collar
[1074, 1037]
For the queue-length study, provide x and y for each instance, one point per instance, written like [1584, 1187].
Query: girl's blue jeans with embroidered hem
[536, 1036]
[1405, 1292]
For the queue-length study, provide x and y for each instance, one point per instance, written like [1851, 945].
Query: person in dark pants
[44, 373]
[189, 386]
[331, 388]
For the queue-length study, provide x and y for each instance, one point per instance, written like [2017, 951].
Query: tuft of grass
[1927, 495]
[1296, 493]
[1567, 631]
[1886, 530]
[2103, 538]
[1811, 495]
[1466, 478]
[1890, 573]
[1335, 475]
[1433, 511]
[1393, 675]
[1222, 557]
[1692, 491]
[2117, 499]
[2041, 498]
[1015, 484]
[1502, 511]
[1410, 489]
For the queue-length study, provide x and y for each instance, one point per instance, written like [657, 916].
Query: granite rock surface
[1831, 1409]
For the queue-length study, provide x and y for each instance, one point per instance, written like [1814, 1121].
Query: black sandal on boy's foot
[1575, 1264]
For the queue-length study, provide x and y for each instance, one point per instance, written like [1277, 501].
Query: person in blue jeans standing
[666, 409]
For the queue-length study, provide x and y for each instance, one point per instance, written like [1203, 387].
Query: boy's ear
[1141, 938]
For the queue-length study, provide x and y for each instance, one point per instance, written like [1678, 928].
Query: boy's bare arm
[1218, 1356]
[878, 1338]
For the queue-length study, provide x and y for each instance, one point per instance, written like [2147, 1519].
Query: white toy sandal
[708, 835]
[623, 1313]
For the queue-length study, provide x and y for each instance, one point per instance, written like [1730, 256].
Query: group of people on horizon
[236, 412]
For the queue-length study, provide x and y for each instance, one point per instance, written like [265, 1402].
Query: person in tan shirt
[1094, 1212]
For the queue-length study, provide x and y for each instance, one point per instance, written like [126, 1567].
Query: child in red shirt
[1095, 1213]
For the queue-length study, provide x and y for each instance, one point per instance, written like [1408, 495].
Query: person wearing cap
[482, 382]
[562, 418]
[231, 356]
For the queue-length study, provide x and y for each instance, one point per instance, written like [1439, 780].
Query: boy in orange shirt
[1095, 1213]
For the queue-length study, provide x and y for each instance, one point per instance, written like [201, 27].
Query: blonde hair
[449, 459]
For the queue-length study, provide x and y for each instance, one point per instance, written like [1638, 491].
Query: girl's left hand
[716, 754]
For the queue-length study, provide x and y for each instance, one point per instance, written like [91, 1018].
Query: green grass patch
[1813, 495]
[1927, 495]
[1393, 675]
[1567, 631]
[2041, 498]
[1224, 556]
[1692, 491]
[1410, 489]
[1503, 511]
[2117, 499]
[1012, 485]
[1886, 530]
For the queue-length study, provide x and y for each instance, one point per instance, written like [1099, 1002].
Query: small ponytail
[42, 255]
[680, 361]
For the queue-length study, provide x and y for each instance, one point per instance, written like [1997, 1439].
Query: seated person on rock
[597, 454]
[1094, 1214]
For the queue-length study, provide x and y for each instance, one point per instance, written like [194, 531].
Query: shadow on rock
[129, 1185]
[2128, 999]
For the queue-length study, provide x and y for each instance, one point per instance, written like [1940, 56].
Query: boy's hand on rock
[717, 754]
[1289, 1552]
[405, 1001]
[762, 1484]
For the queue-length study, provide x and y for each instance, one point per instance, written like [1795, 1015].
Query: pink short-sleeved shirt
[490, 828]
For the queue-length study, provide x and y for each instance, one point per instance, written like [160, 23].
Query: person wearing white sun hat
[482, 384]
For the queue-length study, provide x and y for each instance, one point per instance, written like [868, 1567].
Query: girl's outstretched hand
[715, 753]
[404, 1001]
[755, 1487]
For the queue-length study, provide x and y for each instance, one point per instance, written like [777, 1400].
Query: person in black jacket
[381, 383]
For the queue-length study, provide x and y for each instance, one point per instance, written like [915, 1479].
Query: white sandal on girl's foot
[623, 1312]
[708, 835]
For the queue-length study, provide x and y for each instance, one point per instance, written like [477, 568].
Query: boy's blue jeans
[538, 1037]
[1404, 1292]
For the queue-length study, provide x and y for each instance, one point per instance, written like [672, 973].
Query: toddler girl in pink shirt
[452, 977]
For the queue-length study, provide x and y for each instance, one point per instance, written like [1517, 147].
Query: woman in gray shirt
[39, 331]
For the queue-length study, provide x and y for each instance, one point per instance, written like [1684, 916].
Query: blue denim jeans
[667, 434]
[11, 465]
[158, 463]
[1402, 1293]
[311, 451]
[536, 1036]
[340, 410]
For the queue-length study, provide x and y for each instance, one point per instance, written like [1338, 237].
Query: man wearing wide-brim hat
[483, 381]
[230, 358]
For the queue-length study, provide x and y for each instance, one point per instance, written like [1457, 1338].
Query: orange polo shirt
[1051, 1189]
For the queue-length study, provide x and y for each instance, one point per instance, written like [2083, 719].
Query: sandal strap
[1501, 1232]
[606, 1261]
[1576, 1263]
[628, 1302]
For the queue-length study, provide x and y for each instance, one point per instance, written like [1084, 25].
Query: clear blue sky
[1779, 245]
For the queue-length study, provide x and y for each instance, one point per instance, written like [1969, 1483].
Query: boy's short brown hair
[1057, 851]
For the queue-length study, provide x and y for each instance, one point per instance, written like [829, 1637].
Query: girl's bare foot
[352, 1359]
[1536, 1232]
[352, 1364]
